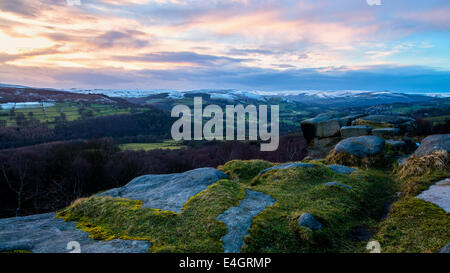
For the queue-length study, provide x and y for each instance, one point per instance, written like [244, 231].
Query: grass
[414, 225]
[16, 251]
[347, 159]
[300, 190]
[165, 145]
[296, 190]
[244, 171]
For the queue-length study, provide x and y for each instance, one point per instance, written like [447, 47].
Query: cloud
[181, 57]
[242, 43]
[21, 7]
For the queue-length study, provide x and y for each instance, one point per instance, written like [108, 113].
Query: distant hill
[28, 94]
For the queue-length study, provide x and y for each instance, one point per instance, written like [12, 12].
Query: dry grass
[351, 160]
[418, 166]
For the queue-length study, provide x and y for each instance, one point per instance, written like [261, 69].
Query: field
[50, 113]
[165, 145]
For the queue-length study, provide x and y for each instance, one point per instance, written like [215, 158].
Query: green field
[165, 145]
[72, 111]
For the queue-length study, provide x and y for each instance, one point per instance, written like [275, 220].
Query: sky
[271, 45]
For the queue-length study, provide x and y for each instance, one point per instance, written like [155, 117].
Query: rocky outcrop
[438, 194]
[354, 131]
[433, 143]
[309, 221]
[43, 233]
[390, 119]
[324, 131]
[167, 191]
[238, 219]
[403, 123]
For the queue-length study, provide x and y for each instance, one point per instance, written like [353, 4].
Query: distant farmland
[49, 113]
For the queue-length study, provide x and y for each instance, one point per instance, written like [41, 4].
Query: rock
[391, 119]
[43, 233]
[386, 132]
[341, 169]
[438, 194]
[336, 184]
[321, 147]
[320, 127]
[445, 249]
[354, 131]
[433, 143]
[238, 219]
[167, 191]
[347, 120]
[396, 144]
[308, 220]
[287, 166]
[361, 146]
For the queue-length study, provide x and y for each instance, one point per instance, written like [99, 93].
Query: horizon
[273, 92]
[400, 46]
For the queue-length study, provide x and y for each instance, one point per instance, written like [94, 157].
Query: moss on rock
[195, 229]
[244, 170]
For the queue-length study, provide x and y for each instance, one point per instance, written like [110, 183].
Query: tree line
[47, 177]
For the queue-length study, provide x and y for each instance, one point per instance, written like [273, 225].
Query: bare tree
[19, 189]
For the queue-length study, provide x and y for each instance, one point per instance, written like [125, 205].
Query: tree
[18, 189]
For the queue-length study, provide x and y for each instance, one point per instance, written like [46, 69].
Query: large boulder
[433, 143]
[386, 132]
[358, 151]
[167, 191]
[354, 131]
[361, 147]
[43, 233]
[320, 127]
